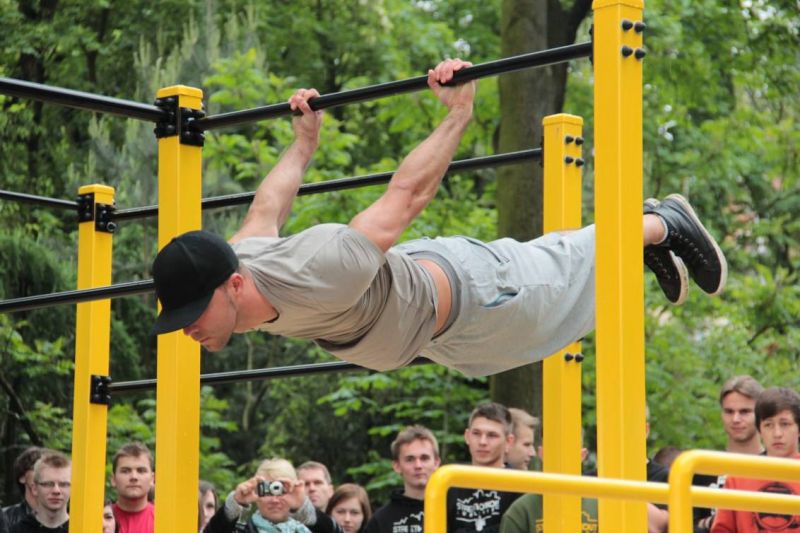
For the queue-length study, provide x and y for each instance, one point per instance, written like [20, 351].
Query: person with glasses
[51, 487]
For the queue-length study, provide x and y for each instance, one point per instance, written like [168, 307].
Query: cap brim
[175, 319]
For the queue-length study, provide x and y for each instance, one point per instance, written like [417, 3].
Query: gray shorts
[519, 301]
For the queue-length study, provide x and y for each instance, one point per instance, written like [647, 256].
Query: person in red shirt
[132, 476]
[777, 415]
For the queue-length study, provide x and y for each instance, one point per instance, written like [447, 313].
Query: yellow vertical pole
[92, 333]
[562, 372]
[178, 389]
[621, 446]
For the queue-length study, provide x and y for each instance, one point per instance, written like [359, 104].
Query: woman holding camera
[281, 504]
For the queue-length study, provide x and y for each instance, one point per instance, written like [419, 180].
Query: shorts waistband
[452, 279]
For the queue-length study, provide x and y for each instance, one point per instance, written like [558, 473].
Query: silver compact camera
[270, 488]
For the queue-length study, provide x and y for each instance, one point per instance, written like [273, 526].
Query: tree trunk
[526, 97]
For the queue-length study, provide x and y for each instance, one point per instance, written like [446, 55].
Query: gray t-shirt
[331, 284]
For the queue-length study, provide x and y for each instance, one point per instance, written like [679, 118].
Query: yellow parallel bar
[518, 481]
[689, 463]
[178, 389]
[562, 378]
[619, 263]
[92, 333]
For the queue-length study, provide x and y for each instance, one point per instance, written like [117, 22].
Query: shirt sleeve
[725, 519]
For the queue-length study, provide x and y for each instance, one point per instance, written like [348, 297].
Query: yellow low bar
[681, 495]
[561, 424]
[92, 334]
[178, 389]
[602, 488]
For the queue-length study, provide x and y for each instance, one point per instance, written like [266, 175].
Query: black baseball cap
[186, 273]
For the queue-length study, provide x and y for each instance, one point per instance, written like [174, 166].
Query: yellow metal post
[562, 372]
[92, 332]
[618, 55]
[178, 389]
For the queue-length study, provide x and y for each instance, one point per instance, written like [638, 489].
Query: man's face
[215, 326]
[133, 477]
[738, 417]
[487, 441]
[317, 487]
[52, 488]
[780, 434]
[416, 461]
[521, 450]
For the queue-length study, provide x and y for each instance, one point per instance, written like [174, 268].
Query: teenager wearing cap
[454, 300]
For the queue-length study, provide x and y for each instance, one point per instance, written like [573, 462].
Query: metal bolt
[568, 357]
[579, 141]
[568, 139]
[579, 358]
[639, 26]
[626, 51]
[579, 162]
[626, 24]
[568, 159]
[640, 53]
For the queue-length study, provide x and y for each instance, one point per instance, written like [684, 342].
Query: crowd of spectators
[281, 498]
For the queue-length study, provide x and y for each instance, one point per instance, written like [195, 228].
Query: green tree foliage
[720, 127]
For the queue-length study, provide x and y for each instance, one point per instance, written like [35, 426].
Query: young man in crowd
[132, 476]
[777, 414]
[317, 479]
[52, 476]
[737, 402]
[415, 456]
[488, 436]
[23, 473]
[522, 449]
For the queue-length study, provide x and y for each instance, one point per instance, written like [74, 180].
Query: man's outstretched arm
[274, 197]
[417, 179]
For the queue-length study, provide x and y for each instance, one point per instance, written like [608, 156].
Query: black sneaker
[671, 273]
[690, 241]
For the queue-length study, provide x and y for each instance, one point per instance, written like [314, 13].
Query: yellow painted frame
[562, 378]
[92, 337]
[178, 374]
[605, 488]
[619, 260]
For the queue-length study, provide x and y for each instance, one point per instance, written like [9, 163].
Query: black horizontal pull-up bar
[261, 374]
[39, 200]
[542, 58]
[461, 165]
[28, 303]
[80, 100]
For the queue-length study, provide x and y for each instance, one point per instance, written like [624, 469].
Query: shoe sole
[683, 272]
[723, 263]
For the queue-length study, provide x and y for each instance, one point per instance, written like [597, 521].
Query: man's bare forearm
[423, 168]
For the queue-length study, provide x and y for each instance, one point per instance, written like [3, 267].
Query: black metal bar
[260, 374]
[542, 58]
[80, 100]
[341, 184]
[27, 303]
[40, 200]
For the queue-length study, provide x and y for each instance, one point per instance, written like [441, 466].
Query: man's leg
[673, 226]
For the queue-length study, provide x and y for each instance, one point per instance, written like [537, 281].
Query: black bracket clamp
[178, 121]
[99, 392]
[102, 214]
